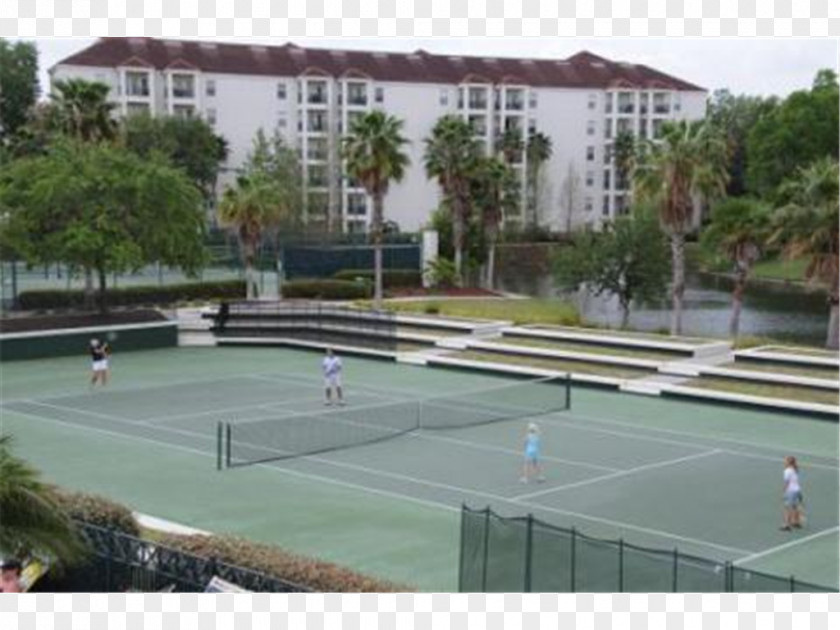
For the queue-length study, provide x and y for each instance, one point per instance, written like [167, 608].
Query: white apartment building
[311, 96]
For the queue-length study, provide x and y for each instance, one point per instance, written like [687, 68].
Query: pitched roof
[583, 70]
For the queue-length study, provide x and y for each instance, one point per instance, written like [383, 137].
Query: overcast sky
[750, 66]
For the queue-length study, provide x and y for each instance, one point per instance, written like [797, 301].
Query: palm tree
[738, 229]
[538, 152]
[685, 166]
[32, 520]
[807, 227]
[84, 111]
[496, 190]
[373, 151]
[253, 207]
[623, 154]
[452, 153]
[510, 144]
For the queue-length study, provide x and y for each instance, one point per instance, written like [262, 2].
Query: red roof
[583, 70]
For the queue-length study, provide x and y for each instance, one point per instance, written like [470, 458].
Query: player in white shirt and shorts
[792, 495]
[332, 377]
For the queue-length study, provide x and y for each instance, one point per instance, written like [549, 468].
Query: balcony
[183, 87]
[357, 95]
[183, 111]
[356, 205]
[137, 84]
[514, 101]
[626, 108]
[316, 123]
[317, 153]
[316, 94]
[477, 98]
[661, 108]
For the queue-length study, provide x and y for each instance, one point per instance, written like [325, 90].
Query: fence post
[620, 565]
[728, 577]
[572, 586]
[486, 550]
[14, 284]
[529, 540]
[227, 444]
[219, 440]
[792, 584]
[676, 563]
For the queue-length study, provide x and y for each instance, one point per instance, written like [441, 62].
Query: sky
[754, 66]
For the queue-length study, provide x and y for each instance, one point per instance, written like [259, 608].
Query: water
[783, 312]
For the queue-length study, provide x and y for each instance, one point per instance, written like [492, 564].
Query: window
[316, 92]
[532, 99]
[379, 94]
[356, 204]
[444, 97]
[661, 103]
[479, 124]
[316, 122]
[607, 179]
[210, 87]
[593, 101]
[590, 179]
[183, 86]
[357, 94]
[532, 126]
[211, 116]
[621, 206]
[643, 128]
[317, 149]
[608, 131]
[624, 125]
[137, 108]
[281, 121]
[608, 103]
[317, 176]
[590, 154]
[352, 117]
[183, 111]
[590, 128]
[605, 208]
[281, 91]
[588, 205]
[626, 103]
[137, 84]
[657, 129]
[356, 227]
[514, 99]
[643, 103]
[513, 123]
[478, 98]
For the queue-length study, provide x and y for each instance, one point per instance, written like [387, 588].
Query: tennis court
[658, 473]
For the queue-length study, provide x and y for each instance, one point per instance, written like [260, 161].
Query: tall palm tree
[451, 156]
[496, 191]
[32, 521]
[738, 229]
[84, 111]
[510, 144]
[623, 154]
[807, 227]
[685, 166]
[538, 151]
[253, 207]
[374, 153]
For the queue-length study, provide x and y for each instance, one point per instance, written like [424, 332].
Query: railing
[525, 554]
[121, 562]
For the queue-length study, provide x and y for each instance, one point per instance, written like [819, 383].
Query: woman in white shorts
[332, 377]
[792, 495]
[99, 358]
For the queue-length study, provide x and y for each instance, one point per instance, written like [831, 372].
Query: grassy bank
[765, 390]
[560, 365]
[532, 311]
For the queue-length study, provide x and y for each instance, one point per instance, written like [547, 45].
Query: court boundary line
[382, 473]
[615, 475]
[787, 545]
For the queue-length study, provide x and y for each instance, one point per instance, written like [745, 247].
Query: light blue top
[532, 444]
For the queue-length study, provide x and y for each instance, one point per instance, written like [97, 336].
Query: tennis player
[99, 353]
[792, 495]
[532, 455]
[332, 377]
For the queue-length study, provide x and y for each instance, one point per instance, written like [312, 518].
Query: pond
[784, 312]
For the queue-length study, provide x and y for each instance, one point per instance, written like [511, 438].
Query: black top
[98, 353]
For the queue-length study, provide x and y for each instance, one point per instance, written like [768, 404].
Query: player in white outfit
[332, 377]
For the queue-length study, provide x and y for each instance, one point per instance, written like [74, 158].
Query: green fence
[524, 554]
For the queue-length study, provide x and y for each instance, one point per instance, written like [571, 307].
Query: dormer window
[137, 84]
[183, 86]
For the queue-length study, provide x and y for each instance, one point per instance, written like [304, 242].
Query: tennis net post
[219, 444]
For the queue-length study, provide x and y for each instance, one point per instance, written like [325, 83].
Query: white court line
[494, 497]
[569, 421]
[615, 475]
[787, 545]
[197, 414]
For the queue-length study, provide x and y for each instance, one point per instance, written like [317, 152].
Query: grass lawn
[653, 336]
[430, 331]
[811, 352]
[589, 348]
[578, 367]
[533, 311]
[779, 269]
[765, 390]
[784, 368]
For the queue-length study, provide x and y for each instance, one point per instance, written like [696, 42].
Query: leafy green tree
[735, 116]
[451, 157]
[510, 145]
[189, 143]
[799, 131]
[686, 165]
[496, 192]
[18, 86]
[738, 230]
[374, 154]
[84, 112]
[806, 226]
[538, 152]
[32, 520]
[102, 207]
[628, 259]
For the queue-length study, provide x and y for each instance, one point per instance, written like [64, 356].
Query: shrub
[97, 510]
[442, 273]
[274, 561]
[391, 278]
[326, 289]
[130, 296]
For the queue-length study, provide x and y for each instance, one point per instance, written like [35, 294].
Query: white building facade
[311, 96]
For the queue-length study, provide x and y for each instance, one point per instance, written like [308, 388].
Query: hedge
[327, 289]
[391, 278]
[97, 510]
[274, 561]
[130, 296]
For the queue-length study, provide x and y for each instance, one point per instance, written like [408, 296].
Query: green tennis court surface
[705, 479]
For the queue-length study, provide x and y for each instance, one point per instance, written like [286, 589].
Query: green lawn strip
[827, 373]
[779, 269]
[430, 331]
[579, 367]
[535, 311]
[589, 348]
[765, 390]
[606, 332]
[811, 352]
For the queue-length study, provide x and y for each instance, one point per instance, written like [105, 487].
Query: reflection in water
[787, 313]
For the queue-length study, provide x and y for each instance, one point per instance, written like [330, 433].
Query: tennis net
[271, 439]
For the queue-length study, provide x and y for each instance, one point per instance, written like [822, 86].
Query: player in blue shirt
[532, 455]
